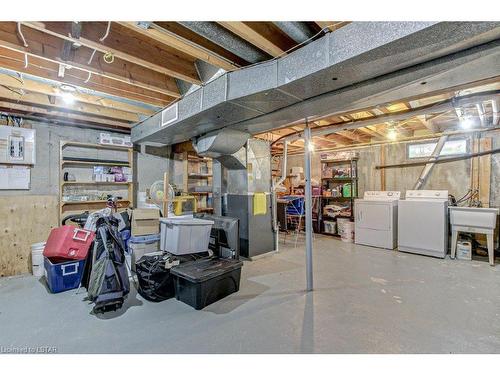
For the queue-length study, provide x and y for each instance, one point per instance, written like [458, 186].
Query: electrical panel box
[17, 145]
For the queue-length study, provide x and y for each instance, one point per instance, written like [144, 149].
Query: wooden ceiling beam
[57, 103]
[52, 90]
[43, 68]
[179, 43]
[331, 25]
[128, 45]
[253, 32]
[49, 48]
[49, 114]
[185, 33]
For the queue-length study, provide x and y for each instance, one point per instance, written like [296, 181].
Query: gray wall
[454, 176]
[45, 173]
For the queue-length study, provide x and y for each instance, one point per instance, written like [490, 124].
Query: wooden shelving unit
[67, 207]
[194, 175]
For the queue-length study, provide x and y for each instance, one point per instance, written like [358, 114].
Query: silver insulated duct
[360, 65]
[222, 146]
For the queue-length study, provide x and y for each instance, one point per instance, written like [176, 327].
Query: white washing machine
[423, 223]
[376, 219]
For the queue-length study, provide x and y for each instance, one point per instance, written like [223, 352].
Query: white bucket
[347, 234]
[340, 224]
[37, 259]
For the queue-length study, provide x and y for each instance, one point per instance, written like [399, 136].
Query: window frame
[408, 146]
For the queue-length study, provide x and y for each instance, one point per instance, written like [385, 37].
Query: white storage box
[185, 236]
[142, 245]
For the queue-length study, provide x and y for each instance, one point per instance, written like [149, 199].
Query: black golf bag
[108, 283]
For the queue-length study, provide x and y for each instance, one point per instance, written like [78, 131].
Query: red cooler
[68, 242]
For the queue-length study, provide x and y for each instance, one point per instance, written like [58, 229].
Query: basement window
[424, 150]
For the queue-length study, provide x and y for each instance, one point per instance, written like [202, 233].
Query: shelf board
[200, 192]
[91, 202]
[95, 145]
[208, 209]
[340, 198]
[339, 178]
[348, 161]
[199, 175]
[93, 183]
[95, 163]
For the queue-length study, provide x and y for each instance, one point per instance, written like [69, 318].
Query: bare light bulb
[391, 134]
[68, 97]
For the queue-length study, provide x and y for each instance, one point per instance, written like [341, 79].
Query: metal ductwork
[360, 65]
[223, 145]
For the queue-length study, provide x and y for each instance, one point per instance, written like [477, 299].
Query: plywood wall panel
[24, 220]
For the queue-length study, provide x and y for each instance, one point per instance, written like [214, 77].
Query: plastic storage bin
[63, 276]
[185, 236]
[68, 242]
[138, 246]
[203, 282]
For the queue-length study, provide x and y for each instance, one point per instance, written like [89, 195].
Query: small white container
[184, 236]
[330, 227]
[347, 234]
[38, 268]
[464, 250]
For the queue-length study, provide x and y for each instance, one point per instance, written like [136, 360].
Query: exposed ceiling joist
[51, 114]
[49, 48]
[331, 25]
[184, 45]
[126, 44]
[44, 68]
[186, 33]
[52, 90]
[254, 32]
[58, 103]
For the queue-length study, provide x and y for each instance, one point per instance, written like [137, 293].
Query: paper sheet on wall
[15, 178]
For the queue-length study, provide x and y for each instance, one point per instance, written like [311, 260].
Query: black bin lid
[205, 269]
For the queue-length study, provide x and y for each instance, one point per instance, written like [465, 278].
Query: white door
[422, 225]
[374, 215]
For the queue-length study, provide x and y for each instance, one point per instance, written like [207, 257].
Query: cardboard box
[145, 221]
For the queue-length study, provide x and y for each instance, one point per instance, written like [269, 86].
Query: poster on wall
[15, 178]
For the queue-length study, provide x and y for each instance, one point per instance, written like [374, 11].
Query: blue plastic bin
[63, 276]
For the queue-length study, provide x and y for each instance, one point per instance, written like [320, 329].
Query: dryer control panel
[382, 195]
[427, 194]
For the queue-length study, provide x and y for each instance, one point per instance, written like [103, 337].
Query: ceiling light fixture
[466, 123]
[68, 97]
[391, 134]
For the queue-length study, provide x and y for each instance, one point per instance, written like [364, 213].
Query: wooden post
[382, 171]
[185, 170]
[165, 195]
[485, 172]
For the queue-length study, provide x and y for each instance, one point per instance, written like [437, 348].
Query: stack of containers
[64, 257]
[145, 237]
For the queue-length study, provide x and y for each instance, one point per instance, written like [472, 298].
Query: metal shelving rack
[353, 180]
[80, 206]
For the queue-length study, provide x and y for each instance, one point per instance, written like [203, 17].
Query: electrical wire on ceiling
[108, 56]
[20, 32]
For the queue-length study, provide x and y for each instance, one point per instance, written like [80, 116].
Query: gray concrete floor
[366, 300]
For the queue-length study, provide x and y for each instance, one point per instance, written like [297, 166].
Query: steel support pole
[308, 207]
